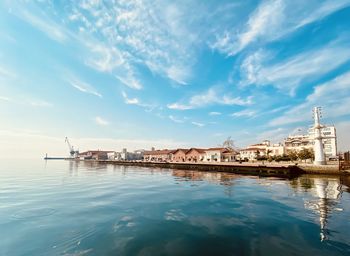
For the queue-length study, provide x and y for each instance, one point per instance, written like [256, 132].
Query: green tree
[293, 155]
[306, 154]
[257, 154]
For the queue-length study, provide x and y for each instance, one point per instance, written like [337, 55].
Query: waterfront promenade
[260, 169]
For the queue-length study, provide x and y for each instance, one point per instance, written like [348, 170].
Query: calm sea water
[71, 208]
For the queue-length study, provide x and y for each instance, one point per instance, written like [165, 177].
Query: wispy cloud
[27, 101]
[137, 102]
[214, 113]
[333, 96]
[137, 33]
[179, 106]
[198, 124]
[272, 20]
[176, 120]
[100, 121]
[244, 113]
[287, 75]
[46, 25]
[5, 98]
[211, 97]
[84, 87]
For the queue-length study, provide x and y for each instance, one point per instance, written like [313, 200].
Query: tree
[293, 155]
[306, 154]
[229, 144]
[257, 154]
[268, 151]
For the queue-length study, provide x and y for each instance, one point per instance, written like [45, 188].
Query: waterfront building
[96, 154]
[164, 155]
[329, 140]
[214, 155]
[265, 148]
[306, 141]
[230, 155]
[124, 155]
[179, 155]
[251, 153]
[298, 143]
[195, 155]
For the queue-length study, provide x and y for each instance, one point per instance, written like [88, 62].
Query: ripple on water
[33, 213]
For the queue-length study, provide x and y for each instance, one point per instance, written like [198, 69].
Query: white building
[299, 142]
[214, 155]
[262, 149]
[329, 140]
[129, 156]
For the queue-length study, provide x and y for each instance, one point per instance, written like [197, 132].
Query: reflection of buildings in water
[328, 191]
[222, 178]
[214, 177]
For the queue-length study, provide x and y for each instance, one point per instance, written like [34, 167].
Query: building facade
[179, 155]
[195, 155]
[164, 155]
[329, 140]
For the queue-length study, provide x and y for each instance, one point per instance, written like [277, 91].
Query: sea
[63, 207]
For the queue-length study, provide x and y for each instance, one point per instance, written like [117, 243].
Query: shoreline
[258, 169]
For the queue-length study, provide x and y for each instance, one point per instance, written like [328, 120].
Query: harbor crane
[73, 153]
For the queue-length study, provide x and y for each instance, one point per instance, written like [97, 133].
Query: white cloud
[84, 87]
[211, 97]
[46, 25]
[333, 96]
[176, 120]
[178, 106]
[131, 101]
[288, 74]
[138, 32]
[198, 124]
[325, 9]
[137, 102]
[244, 113]
[27, 101]
[268, 15]
[214, 113]
[178, 74]
[5, 98]
[101, 121]
[272, 20]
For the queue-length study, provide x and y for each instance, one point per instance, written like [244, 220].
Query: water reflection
[74, 207]
[326, 192]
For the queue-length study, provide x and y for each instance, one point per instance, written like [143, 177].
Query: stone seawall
[289, 171]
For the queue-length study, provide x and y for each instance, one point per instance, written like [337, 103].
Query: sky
[139, 74]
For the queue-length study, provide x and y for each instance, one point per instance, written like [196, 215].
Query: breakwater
[288, 171]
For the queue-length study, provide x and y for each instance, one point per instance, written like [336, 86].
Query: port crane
[73, 153]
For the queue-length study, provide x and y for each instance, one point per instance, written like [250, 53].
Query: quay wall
[289, 171]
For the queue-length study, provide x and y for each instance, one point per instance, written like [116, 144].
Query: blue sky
[138, 73]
